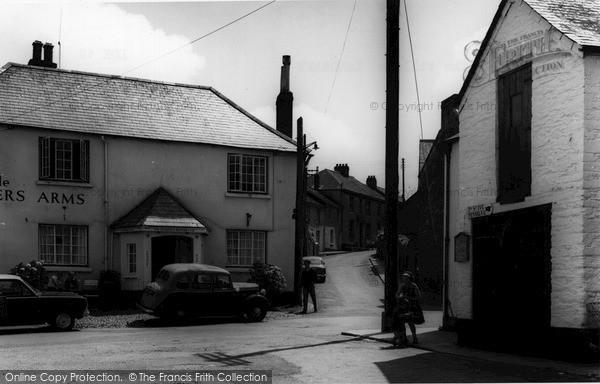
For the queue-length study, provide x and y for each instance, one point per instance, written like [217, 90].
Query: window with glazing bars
[246, 174]
[63, 244]
[64, 159]
[245, 247]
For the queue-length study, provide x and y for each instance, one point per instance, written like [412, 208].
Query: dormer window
[64, 159]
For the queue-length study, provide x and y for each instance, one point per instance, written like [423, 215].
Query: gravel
[133, 318]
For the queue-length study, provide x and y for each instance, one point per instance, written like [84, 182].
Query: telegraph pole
[403, 167]
[300, 211]
[391, 159]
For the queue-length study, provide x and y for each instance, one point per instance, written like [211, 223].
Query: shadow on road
[232, 360]
[449, 368]
[161, 323]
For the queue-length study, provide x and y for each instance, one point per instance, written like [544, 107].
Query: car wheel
[256, 312]
[181, 316]
[62, 322]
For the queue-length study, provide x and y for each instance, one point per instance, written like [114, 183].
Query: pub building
[102, 172]
[522, 265]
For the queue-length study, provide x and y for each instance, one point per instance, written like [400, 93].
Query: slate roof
[113, 105]
[159, 210]
[333, 180]
[579, 20]
[318, 198]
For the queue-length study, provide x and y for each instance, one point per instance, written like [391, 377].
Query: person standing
[71, 283]
[308, 279]
[408, 311]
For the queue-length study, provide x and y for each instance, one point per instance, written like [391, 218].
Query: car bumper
[150, 311]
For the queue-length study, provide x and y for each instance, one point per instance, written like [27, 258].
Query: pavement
[434, 339]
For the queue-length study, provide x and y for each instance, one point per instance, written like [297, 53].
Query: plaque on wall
[462, 247]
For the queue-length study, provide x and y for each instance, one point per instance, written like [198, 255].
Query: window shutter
[44, 145]
[84, 160]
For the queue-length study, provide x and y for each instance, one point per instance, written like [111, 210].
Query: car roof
[312, 258]
[7, 276]
[192, 267]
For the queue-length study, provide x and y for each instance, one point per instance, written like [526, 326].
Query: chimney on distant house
[372, 182]
[285, 100]
[343, 169]
[317, 180]
[36, 59]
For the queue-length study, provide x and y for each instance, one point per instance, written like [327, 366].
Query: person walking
[408, 311]
[308, 279]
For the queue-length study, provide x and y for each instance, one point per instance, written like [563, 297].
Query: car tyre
[181, 316]
[62, 322]
[256, 312]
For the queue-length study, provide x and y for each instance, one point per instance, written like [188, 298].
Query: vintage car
[184, 291]
[22, 304]
[318, 265]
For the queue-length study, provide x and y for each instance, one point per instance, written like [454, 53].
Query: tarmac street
[298, 348]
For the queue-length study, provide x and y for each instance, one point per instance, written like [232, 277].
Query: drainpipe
[105, 203]
[446, 251]
[341, 239]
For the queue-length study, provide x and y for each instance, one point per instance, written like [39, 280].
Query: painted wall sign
[8, 194]
[12, 195]
[479, 210]
[527, 46]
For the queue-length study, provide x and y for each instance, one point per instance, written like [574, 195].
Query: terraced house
[107, 172]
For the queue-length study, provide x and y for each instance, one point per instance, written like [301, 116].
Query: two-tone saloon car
[184, 291]
[22, 304]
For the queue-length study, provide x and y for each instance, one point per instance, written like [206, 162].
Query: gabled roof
[159, 210]
[578, 20]
[318, 198]
[332, 180]
[113, 105]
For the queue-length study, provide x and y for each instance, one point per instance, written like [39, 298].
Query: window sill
[51, 268]
[64, 183]
[130, 277]
[248, 195]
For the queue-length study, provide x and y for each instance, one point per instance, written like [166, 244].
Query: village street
[298, 348]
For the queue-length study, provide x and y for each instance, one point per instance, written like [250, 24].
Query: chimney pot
[36, 58]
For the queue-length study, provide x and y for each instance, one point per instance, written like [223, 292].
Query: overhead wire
[412, 54]
[338, 63]
[85, 89]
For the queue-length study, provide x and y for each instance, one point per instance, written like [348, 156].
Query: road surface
[299, 349]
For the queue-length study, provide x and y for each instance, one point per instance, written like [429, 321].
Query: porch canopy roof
[160, 211]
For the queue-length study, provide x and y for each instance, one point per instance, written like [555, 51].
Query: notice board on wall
[462, 247]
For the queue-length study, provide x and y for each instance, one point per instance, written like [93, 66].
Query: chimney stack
[37, 55]
[343, 169]
[372, 182]
[48, 47]
[285, 100]
[317, 180]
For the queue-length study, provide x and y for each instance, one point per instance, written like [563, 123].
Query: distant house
[323, 216]
[107, 172]
[523, 260]
[361, 206]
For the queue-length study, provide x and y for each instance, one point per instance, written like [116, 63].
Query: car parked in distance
[22, 304]
[318, 265]
[185, 291]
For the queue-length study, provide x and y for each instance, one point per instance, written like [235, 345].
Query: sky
[337, 51]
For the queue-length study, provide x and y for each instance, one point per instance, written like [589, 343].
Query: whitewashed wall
[557, 138]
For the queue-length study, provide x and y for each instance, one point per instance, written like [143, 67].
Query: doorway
[511, 274]
[169, 250]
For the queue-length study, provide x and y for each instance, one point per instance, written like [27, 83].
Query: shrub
[268, 277]
[33, 272]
